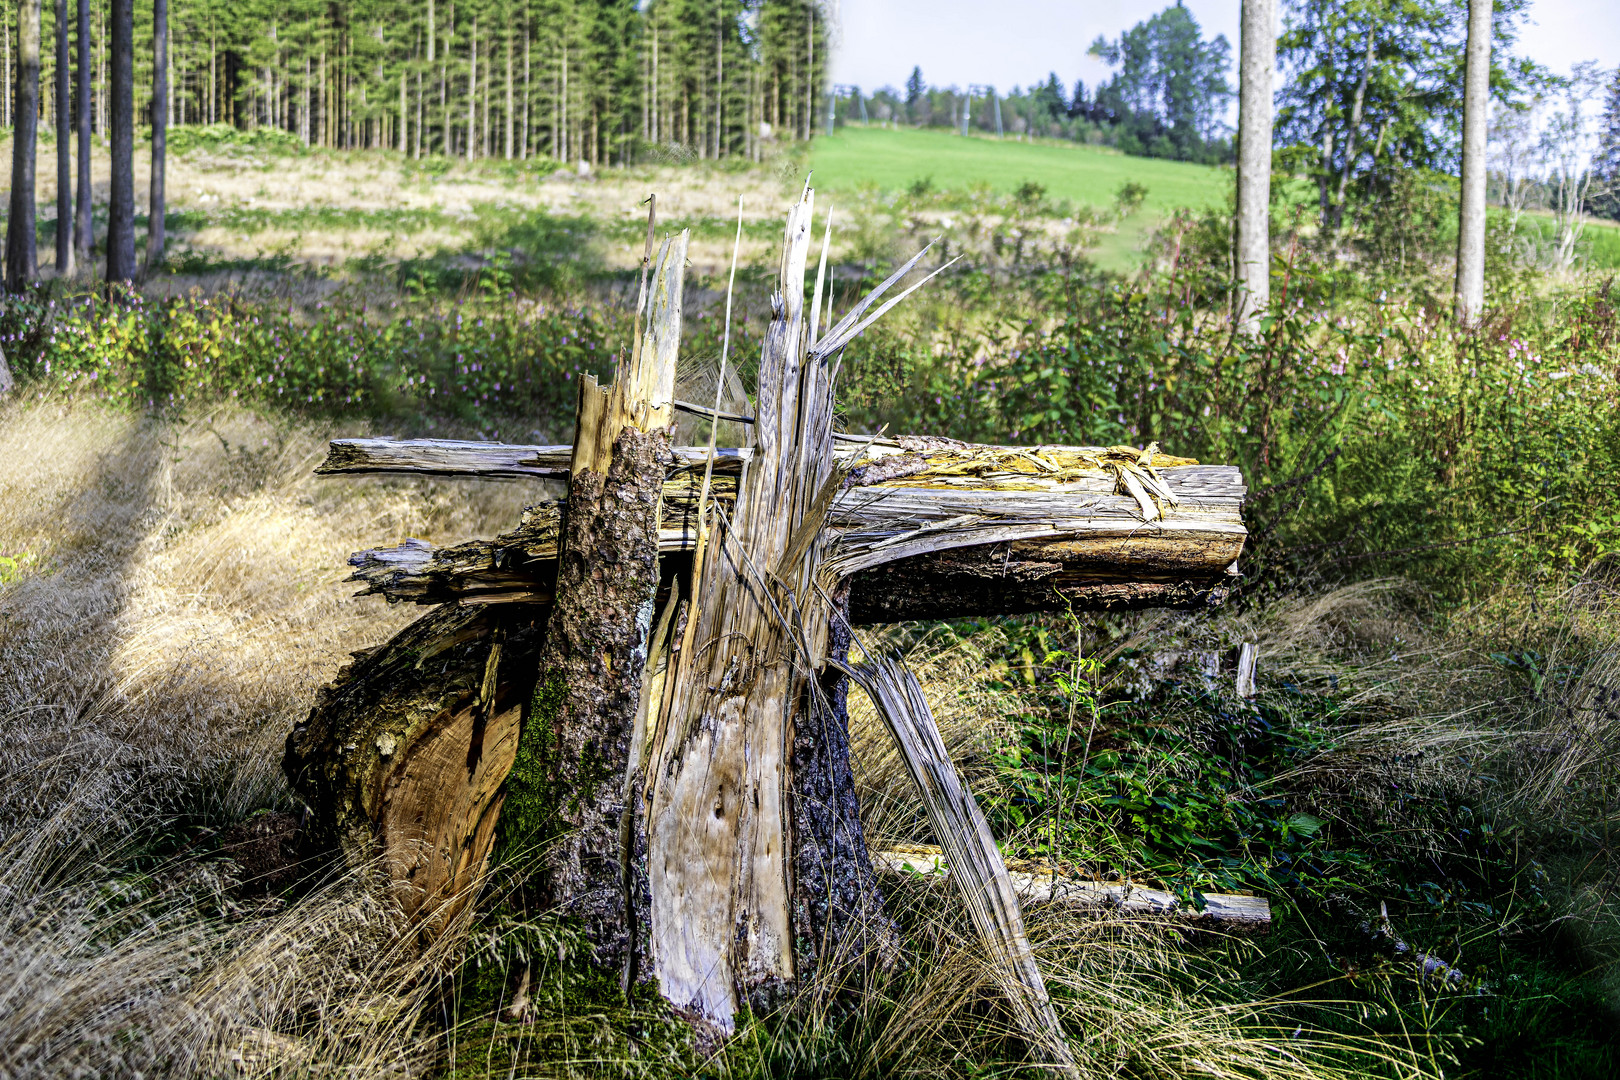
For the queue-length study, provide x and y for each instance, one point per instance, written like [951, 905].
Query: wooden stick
[1037, 883]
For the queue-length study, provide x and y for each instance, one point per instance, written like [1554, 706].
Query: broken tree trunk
[403, 756]
[674, 647]
[717, 785]
[566, 796]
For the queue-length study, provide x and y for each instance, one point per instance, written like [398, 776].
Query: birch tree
[1253, 255]
[1470, 295]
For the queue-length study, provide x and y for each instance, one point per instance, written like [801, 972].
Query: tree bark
[22, 256]
[121, 201]
[1471, 210]
[157, 205]
[64, 146]
[838, 912]
[580, 748]
[84, 228]
[1258, 60]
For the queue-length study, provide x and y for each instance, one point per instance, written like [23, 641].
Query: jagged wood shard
[978, 869]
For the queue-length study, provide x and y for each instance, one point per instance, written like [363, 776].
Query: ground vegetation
[1422, 786]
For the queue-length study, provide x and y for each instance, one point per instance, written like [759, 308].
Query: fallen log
[964, 530]
[1038, 883]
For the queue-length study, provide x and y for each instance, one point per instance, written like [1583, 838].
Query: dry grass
[384, 182]
[172, 597]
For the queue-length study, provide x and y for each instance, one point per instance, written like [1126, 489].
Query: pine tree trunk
[64, 145]
[22, 256]
[472, 92]
[157, 204]
[84, 231]
[1253, 256]
[580, 750]
[509, 101]
[1471, 211]
[121, 201]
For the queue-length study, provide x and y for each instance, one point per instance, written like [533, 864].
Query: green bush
[1374, 433]
[485, 362]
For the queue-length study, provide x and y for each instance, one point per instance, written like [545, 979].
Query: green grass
[892, 159]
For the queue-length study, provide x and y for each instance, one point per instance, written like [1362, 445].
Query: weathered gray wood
[1037, 883]
[978, 869]
[718, 820]
[1248, 657]
[454, 457]
[924, 538]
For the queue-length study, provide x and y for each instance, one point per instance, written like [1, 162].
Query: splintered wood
[716, 818]
[657, 659]
[976, 863]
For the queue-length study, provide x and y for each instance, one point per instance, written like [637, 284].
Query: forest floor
[1424, 777]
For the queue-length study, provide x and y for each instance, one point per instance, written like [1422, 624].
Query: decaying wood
[569, 793]
[403, 755]
[717, 839]
[978, 869]
[1038, 883]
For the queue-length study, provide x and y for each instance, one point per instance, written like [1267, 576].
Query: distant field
[894, 158]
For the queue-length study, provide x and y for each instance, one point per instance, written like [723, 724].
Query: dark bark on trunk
[121, 121]
[157, 204]
[569, 782]
[22, 256]
[840, 919]
[64, 147]
[1000, 579]
[84, 230]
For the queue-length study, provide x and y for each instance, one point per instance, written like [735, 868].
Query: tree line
[1164, 100]
[581, 82]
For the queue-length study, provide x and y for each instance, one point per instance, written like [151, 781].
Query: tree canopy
[1170, 87]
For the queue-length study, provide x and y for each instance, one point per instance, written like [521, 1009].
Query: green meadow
[894, 159]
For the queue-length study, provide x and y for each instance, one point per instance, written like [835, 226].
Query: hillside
[894, 159]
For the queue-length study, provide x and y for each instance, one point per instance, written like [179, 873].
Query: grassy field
[894, 159]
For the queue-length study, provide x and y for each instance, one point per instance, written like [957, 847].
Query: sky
[1009, 43]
